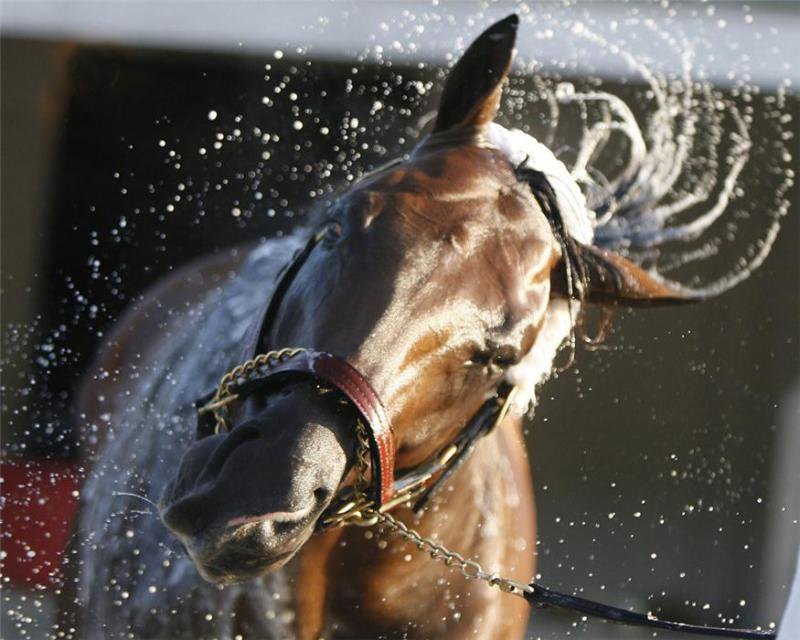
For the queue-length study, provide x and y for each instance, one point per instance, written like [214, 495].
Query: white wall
[758, 40]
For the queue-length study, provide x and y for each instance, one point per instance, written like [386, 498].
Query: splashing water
[660, 158]
[683, 156]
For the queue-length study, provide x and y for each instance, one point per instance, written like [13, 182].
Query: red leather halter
[352, 384]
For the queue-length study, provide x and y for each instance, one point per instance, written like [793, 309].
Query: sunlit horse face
[433, 277]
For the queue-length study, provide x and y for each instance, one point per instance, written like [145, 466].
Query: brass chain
[369, 516]
[243, 372]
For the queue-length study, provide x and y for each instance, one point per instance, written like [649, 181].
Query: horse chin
[246, 552]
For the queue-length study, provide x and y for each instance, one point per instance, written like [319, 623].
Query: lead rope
[533, 593]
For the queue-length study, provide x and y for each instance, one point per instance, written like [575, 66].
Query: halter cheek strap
[351, 383]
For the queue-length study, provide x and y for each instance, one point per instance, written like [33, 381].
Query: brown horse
[437, 278]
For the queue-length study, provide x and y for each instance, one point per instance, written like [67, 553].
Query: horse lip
[223, 564]
[213, 572]
[282, 516]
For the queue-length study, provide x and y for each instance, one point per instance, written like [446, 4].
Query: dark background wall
[653, 458]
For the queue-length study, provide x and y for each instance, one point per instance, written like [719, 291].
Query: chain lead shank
[369, 516]
[242, 373]
[533, 593]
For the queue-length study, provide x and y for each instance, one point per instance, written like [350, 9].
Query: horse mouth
[235, 568]
[249, 549]
[274, 516]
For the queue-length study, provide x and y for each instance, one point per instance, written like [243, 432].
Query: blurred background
[136, 136]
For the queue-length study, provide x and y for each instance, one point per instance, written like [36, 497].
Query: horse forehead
[448, 174]
[447, 191]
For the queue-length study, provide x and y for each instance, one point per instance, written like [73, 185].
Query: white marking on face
[537, 365]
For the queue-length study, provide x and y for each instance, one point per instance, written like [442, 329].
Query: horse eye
[505, 357]
[333, 231]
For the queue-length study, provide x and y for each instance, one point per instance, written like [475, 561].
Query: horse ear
[610, 279]
[472, 92]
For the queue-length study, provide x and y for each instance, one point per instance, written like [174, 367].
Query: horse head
[436, 278]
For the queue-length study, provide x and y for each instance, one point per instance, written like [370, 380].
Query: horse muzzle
[243, 503]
